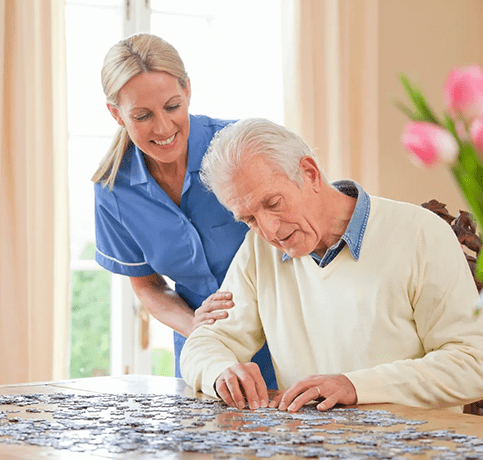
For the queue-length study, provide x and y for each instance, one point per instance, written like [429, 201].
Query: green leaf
[468, 172]
[423, 110]
[408, 112]
[479, 267]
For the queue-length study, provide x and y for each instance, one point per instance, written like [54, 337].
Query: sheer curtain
[330, 77]
[342, 61]
[34, 274]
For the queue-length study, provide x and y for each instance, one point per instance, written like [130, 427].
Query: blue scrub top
[141, 231]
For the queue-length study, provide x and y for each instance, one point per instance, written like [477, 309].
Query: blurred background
[327, 69]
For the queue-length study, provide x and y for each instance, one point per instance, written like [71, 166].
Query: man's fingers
[233, 386]
[224, 393]
[334, 388]
[293, 392]
[244, 381]
[240, 381]
[262, 391]
[308, 395]
[274, 403]
[253, 385]
[328, 403]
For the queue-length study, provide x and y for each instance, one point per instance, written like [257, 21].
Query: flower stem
[468, 172]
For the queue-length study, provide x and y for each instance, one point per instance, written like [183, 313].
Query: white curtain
[330, 77]
[34, 276]
[342, 62]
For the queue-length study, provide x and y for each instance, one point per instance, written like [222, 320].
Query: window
[232, 52]
[90, 132]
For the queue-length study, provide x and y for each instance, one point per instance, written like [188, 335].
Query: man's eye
[274, 204]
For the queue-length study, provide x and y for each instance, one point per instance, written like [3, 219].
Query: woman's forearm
[163, 303]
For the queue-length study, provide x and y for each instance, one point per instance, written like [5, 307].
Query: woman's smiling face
[154, 109]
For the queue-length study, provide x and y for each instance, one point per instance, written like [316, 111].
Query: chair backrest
[465, 230]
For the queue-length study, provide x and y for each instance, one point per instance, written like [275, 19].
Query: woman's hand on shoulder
[212, 309]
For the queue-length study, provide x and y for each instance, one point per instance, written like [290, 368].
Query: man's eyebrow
[265, 203]
[269, 198]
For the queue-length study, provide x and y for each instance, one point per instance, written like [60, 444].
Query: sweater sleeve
[443, 296]
[211, 349]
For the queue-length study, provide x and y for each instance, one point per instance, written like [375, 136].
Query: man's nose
[268, 226]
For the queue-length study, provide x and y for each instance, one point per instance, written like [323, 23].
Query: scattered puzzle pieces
[156, 424]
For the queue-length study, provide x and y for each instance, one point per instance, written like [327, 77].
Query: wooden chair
[471, 243]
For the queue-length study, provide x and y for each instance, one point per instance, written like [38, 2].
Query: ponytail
[107, 171]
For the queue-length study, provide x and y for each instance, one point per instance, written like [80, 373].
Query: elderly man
[361, 299]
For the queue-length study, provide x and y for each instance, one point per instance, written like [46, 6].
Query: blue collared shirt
[355, 229]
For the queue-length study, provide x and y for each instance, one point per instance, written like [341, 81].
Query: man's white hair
[238, 143]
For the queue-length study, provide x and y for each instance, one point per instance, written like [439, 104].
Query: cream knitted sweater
[399, 322]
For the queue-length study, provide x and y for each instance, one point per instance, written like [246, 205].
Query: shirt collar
[139, 170]
[198, 142]
[357, 225]
[354, 232]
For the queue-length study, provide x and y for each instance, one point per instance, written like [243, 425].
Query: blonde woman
[153, 216]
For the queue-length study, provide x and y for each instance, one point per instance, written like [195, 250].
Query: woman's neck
[169, 176]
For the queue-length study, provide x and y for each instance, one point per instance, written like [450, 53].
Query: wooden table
[463, 424]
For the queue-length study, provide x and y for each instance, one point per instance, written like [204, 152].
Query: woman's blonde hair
[126, 59]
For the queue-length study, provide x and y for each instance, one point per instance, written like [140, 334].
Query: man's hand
[240, 381]
[334, 388]
[212, 309]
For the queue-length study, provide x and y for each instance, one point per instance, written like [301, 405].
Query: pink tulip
[476, 134]
[429, 144]
[463, 93]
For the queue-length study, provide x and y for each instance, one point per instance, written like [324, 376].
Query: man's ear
[115, 114]
[311, 172]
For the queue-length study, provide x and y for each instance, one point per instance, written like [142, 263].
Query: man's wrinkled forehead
[252, 187]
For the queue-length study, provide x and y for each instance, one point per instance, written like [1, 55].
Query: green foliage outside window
[90, 321]
[163, 362]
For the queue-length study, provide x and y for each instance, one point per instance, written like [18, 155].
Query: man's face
[277, 209]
